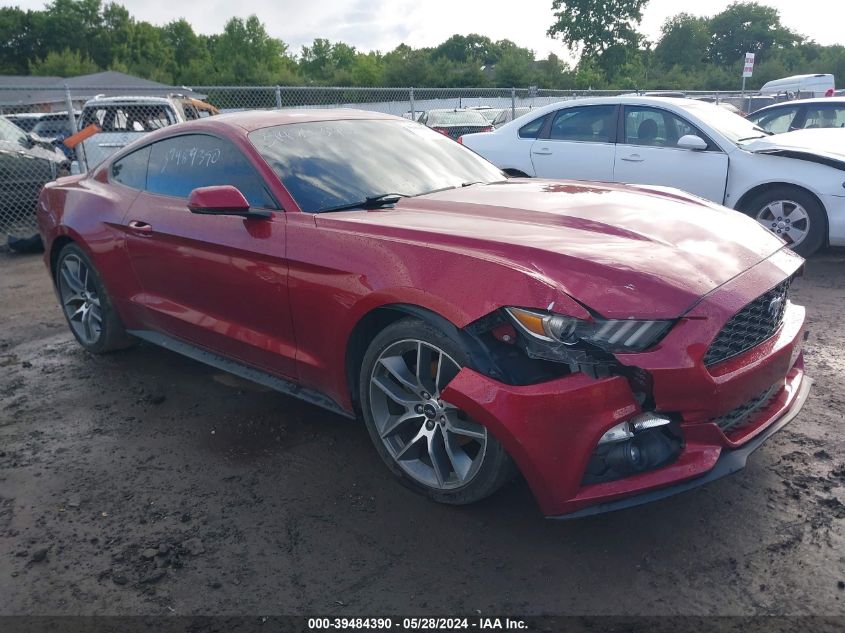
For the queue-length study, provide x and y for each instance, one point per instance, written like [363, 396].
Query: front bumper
[729, 462]
[551, 429]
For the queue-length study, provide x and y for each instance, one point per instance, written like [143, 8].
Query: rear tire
[87, 307]
[793, 214]
[430, 445]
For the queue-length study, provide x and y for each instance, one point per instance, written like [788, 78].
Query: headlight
[611, 335]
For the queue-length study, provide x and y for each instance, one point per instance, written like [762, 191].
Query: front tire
[429, 444]
[86, 305]
[793, 214]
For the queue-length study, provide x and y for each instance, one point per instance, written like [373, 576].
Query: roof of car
[125, 100]
[250, 120]
[786, 104]
[42, 115]
[629, 99]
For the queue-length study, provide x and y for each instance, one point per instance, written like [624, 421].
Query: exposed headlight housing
[611, 335]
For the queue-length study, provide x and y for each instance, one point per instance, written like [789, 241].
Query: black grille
[743, 414]
[750, 326]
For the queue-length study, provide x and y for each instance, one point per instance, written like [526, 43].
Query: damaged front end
[537, 352]
[601, 414]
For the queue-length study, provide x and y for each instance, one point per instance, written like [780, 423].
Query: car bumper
[729, 462]
[551, 429]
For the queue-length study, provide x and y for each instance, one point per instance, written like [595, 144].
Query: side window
[656, 128]
[591, 124]
[180, 164]
[191, 113]
[532, 130]
[776, 122]
[825, 116]
[131, 170]
[11, 133]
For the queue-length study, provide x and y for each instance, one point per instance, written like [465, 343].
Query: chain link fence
[49, 132]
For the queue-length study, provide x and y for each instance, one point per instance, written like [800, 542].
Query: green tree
[595, 25]
[191, 59]
[747, 27]
[684, 41]
[111, 42]
[70, 24]
[368, 69]
[405, 66]
[469, 48]
[66, 63]
[147, 54]
[244, 54]
[19, 44]
[516, 68]
[554, 73]
[315, 61]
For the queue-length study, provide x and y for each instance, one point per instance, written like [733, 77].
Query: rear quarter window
[131, 170]
[532, 130]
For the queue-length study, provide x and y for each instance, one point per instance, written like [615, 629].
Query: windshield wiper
[371, 202]
[463, 184]
[764, 134]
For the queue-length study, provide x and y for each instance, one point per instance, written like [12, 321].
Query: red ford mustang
[614, 344]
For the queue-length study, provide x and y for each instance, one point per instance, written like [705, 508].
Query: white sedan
[793, 184]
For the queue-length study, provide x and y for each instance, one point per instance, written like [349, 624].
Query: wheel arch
[55, 248]
[749, 195]
[374, 321]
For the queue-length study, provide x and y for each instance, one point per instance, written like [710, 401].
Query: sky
[384, 24]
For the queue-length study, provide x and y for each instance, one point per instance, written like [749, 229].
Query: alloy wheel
[80, 300]
[785, 218]
[432, 441]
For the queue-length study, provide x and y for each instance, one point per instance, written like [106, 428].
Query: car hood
[36, 151]
[622, 250]
[819, 145]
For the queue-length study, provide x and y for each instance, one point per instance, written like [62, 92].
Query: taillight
[489, 128]
[461, 140]
[442, 130]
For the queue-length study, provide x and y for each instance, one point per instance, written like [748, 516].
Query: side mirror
[223, 200]
[691, 141]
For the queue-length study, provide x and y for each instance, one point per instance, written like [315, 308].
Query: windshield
[11, 133]
[328, 164]
[456, 117]
[491, 114]
[730, 125]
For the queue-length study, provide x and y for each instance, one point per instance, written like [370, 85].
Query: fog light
[625, 457]
[643, 443]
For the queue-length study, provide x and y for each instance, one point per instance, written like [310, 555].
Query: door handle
[142, 228]
[633, 158]
[545, 151]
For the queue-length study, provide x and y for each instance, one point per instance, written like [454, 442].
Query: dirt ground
[146, 483]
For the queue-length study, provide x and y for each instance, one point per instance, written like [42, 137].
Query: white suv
[122, 120]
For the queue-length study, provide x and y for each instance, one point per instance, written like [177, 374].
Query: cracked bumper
[551, 429]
